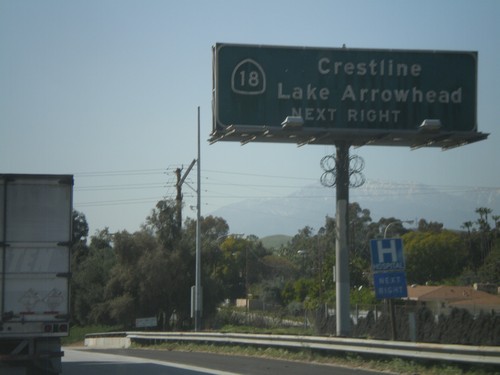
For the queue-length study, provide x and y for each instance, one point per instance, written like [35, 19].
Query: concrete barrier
[103, 342]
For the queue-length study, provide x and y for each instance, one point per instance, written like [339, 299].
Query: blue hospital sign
[387, 254]
[388, 266]
[390, 285]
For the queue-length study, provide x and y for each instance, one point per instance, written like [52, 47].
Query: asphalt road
[156, 362]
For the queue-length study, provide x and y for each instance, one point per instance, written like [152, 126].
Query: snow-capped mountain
[309, 206]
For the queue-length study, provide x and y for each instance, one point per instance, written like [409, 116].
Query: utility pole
[178, 199]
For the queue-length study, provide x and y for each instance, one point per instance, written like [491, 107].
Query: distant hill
[275, 241]
[310, 205]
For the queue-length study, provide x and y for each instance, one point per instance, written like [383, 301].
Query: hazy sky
[108, 90]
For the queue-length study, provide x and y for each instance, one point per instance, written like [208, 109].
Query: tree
[390, 227]
[359, 229]
[496, 219]
[433, 257]
[165, 284]
[231, 267]
[481, 237]
[150, 272]
[79, 248]
[80, 227]
[124, 285]
[489, 272]
[486, 236]
[483, 221]
[313, 256]
[432, 226]
[302, 241]
[299, 290]
[213, 231]
[91, 274]
[147, 279]
[163, 223]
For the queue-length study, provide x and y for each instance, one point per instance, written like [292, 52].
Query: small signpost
[388, 268]
[146, 322]
[389, 275]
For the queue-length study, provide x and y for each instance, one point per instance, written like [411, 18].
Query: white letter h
[387, 250]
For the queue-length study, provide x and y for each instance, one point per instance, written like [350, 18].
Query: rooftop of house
[456, 295]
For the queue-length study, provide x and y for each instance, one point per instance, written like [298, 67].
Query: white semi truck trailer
[35, 238]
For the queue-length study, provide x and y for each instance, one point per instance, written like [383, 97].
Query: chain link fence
[408, 323]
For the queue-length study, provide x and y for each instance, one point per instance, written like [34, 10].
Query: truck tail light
[63, 327]
[55, 328]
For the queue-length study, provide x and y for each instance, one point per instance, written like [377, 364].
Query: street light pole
[247, 302]
[197, 287]
[395, 222]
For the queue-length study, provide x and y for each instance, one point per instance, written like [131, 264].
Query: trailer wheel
[50, 366]
[49, 360]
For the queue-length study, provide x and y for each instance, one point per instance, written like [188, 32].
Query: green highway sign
[343, 90]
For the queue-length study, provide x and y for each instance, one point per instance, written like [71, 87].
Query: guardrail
[453, 353]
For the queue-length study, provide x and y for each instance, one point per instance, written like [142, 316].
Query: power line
[226, 197]
[153, 185]
[261, 175]
[262, 190]
[119, 173]
[118, 202]
[172, 168]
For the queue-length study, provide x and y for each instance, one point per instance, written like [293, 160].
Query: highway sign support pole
[393, 319]
[341, 244]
